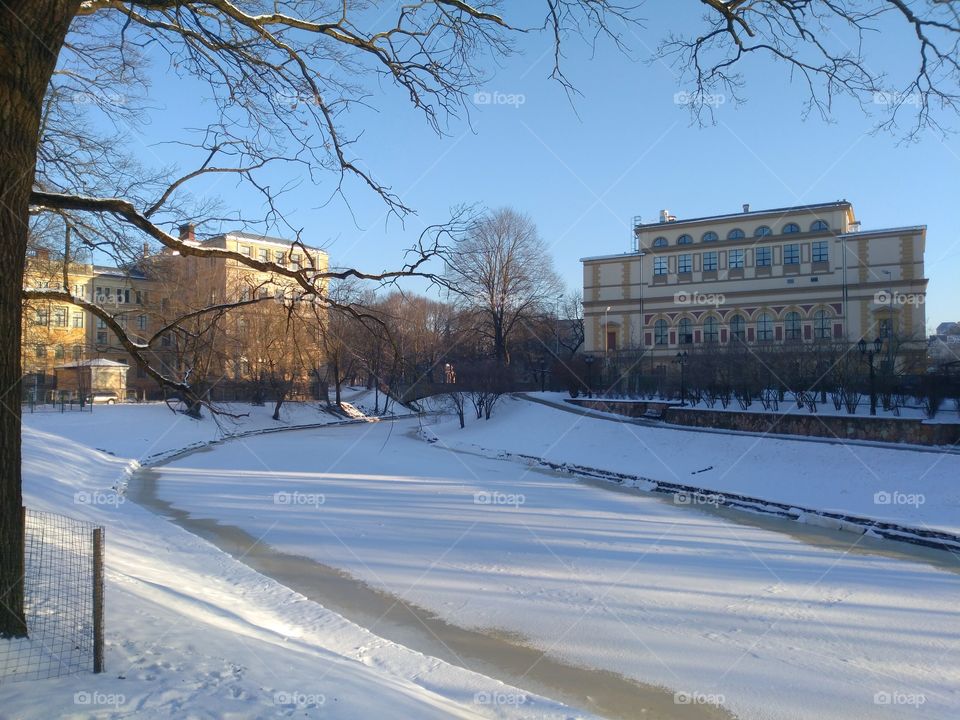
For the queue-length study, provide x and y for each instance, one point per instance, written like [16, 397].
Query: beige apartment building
[143, 298]
[797, 274]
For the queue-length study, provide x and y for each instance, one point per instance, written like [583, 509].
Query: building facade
[797, 274]
[143, 298]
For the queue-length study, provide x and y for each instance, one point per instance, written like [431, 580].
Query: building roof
[751, 213]
[281, 242]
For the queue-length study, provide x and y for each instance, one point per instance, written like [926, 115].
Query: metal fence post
[98, 600]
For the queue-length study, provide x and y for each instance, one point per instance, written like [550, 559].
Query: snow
[783, 622]
[907, 486]
[194, 633]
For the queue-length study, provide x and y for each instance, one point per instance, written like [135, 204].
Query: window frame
[713, 257]
[739, 262]
[768, 257]
[685, 260]
[790, 228]
[709, 236]
[661, 266]
[661, 333]
[792, 326]
[763, 231]
[816, 246]
[736, 234]
[685, 239]
[793, 251]
[765, 327]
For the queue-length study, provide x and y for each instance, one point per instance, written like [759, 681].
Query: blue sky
[624, 148]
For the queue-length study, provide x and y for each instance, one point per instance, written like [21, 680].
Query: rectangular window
[78, 319]
[78, 292]
[141, 322]
[660, 266]
[791, 254]
[166, 340]
[764, 257]
[101, 323]
[139, 298]
[244, 294]
[710, 260]
[735, 259]
[295, 260]
[246, 250]
[278, 257]
[60, 317]
[102, 337]
[821, 251]
[41, 316]
[263, 255]
[685, 263]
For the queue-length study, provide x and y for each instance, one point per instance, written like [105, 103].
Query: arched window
[58, 352]
[660, 332]
[762, 231]
[738, 327]
[684, 240]
[709, 236]
[686, 331]
[735, 234]
[819, 225]
[791, 326]
[77, 352]
[660, 242]
[711, 330]
[790, 228]
[821, 325]
[765, 327]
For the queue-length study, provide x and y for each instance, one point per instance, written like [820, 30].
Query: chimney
[746, 207]
[664, 214]
[42, 254]
[188, 232]
[146, 249]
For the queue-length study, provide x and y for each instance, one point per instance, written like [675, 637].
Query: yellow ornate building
[794, 274]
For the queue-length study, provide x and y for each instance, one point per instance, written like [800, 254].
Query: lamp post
[681, 360]
[557, 346]
[877, 344]
[606, 330]
[543, 374]
[589, 362]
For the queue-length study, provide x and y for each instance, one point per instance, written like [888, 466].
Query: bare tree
[503, 273]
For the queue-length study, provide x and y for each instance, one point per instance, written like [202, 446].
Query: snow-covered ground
[192, 633]
[910, 487]
[774, 624]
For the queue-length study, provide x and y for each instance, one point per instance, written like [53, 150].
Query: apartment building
[143, 298]
[795, 274]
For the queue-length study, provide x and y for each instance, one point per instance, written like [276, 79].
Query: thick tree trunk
[31, 34]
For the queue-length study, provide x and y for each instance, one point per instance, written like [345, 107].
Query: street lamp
[589, 362]
[543, 374]
[559, 302]
[681, 360]
[877, 345]
[606, 330]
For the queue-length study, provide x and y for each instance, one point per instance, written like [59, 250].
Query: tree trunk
[31, 34]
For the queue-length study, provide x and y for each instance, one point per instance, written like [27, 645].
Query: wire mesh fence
[63, 601]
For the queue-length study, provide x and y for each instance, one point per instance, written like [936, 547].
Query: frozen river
[614, 601]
